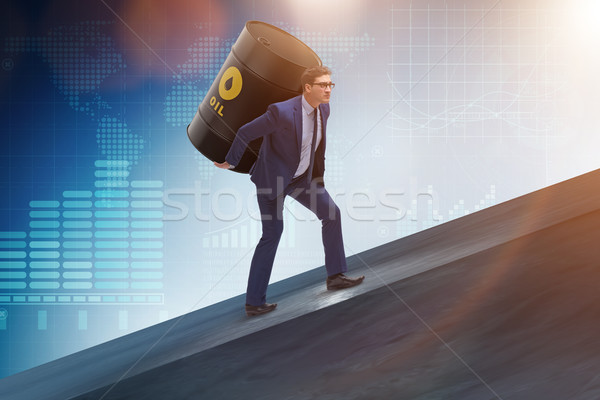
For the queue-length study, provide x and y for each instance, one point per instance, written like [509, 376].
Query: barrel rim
[248, 23]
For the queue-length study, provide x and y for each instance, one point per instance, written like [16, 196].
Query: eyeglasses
[324, 85]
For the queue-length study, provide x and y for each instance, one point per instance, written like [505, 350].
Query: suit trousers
[315, 198]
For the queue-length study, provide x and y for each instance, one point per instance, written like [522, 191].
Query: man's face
[317, 94]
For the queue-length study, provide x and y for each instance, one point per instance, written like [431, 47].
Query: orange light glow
[157, 33]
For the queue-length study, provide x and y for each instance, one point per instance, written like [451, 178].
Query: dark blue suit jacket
[279, 156]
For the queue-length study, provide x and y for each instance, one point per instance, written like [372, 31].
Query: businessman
[291, 162]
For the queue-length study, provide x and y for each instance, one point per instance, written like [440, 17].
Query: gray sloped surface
[517, 321]
[308, 311]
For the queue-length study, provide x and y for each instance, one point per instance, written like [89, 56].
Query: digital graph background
[112, 221]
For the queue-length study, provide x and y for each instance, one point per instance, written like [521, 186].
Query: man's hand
[224, 165]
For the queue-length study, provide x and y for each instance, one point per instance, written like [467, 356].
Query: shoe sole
[344, 287]
[255, 313]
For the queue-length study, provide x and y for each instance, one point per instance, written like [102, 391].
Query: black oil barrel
[264, 67]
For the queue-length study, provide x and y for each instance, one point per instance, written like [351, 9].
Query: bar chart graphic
[97, 246]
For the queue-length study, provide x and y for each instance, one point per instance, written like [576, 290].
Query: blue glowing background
[111, 221]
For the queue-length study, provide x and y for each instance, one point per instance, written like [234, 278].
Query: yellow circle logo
[230, 84]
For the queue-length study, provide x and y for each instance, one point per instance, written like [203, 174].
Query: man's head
[316, 85]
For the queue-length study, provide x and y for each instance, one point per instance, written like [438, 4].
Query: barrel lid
[282, 44]
[274, 55]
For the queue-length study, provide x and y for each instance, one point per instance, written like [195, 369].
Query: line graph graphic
[505, 80]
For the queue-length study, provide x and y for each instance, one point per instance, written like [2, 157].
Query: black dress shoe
[341, 281]
[258, 310]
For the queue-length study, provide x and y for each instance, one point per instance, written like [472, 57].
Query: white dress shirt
[308, 115]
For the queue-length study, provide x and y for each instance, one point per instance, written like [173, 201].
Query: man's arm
[261, 126]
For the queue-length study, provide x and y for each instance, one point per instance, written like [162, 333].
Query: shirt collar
[308, 109]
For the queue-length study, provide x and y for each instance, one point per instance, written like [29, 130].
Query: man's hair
[312, 73]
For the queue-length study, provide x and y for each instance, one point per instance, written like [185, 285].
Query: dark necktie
[313, 144]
